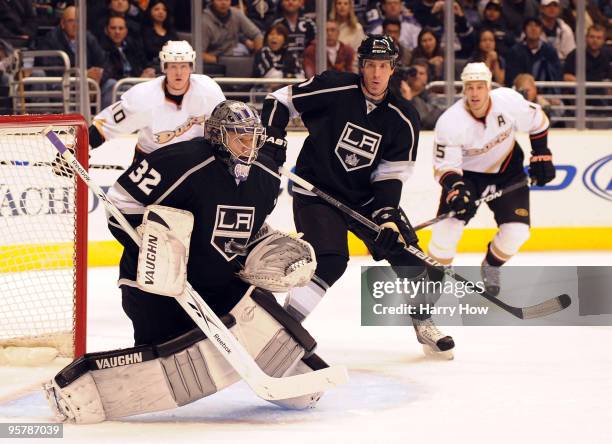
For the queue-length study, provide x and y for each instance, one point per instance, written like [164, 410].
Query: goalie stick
[487, 198]
[265, 386]
[545, 308]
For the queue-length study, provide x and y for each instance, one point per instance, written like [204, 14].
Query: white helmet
[476, 71]
[177, 52]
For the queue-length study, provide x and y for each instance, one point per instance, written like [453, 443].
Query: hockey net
[43, 241]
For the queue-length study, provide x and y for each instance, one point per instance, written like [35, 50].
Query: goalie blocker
[114, 384]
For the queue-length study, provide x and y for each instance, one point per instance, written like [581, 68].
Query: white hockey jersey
[462, 142]
[159, 121]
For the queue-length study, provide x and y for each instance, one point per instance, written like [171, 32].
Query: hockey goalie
[200, 207]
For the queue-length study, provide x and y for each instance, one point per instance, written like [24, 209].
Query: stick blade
[298, 385]
[546, 308]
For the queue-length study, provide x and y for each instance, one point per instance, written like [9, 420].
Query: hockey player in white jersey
[475, 154]
[169, 109]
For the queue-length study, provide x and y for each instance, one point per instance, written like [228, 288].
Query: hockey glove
[460, 200]
[396, 232]
[541, 168]
[275, 145]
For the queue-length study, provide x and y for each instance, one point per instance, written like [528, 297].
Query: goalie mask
[236, 131]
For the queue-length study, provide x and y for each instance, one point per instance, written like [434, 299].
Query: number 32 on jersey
[146, 178]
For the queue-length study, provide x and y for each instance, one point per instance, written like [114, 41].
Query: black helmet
[377, 47]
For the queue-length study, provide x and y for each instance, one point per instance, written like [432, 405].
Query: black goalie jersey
[356, 150]
[188, 176]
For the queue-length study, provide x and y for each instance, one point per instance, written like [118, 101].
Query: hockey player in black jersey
[198, 205]
[361, 147]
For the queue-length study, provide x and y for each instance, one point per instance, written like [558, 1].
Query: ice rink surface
[505, 385]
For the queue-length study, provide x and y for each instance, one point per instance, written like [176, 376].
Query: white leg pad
[145, 379]
[444, 238]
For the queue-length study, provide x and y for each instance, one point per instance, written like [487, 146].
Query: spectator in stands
[471, 11]
[394, 9]
[494, 20]
[413, 87]
[260, 12]
[430, 15]
[340, 57]
[273, 60]
[121, 8]
[525, 84]
[125, 57]
[428, 48]
[64, 38]
[533, 56]
[351, 31]
[361, 9]
[17, 19]
[556, 32]
[486, 52]
[598, 67]
[392, 27]
[226, 31]
[302, 30]
[568, 14]
[515, 12]
[6, 59]
[158, 29]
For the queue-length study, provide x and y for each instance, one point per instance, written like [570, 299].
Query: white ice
[505, 385]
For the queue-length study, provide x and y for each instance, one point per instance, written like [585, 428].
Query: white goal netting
[38, 241]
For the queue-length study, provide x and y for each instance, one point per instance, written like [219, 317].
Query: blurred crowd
[276, 38]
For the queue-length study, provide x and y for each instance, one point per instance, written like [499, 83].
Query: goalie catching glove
[164, 251]
[279, 262]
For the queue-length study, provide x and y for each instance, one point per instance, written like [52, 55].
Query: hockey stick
[487, 198]
[545, 308]
[265, 386]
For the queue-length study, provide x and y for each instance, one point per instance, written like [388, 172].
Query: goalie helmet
[235, 129]
[176, 52]
[477, 71]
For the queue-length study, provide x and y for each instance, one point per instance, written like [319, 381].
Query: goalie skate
[435, 343]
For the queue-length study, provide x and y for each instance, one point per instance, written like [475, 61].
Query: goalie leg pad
[143, 379]
[114, 384]
[162, 260]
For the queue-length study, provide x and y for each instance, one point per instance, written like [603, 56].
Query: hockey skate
[435, 343]
[490, 277]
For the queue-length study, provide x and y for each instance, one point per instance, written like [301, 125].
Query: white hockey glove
[279, 262]
[162, 261]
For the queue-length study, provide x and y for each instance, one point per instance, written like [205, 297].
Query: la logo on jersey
[357, 147]
[232, 225]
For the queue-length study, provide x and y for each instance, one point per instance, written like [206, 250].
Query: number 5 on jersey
[146, 178]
